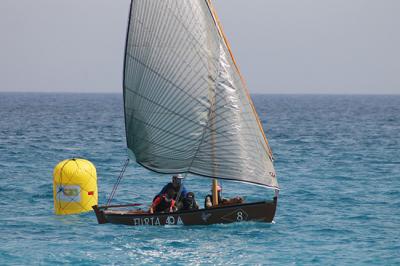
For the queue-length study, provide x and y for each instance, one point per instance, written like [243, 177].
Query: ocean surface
[337, 162]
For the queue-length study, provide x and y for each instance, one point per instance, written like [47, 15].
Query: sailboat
[188, 111]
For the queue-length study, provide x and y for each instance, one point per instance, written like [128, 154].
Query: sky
[282, 46]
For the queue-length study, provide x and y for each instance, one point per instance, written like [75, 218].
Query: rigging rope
[121, 174]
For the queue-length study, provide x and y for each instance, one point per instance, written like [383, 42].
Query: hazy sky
[282, 46]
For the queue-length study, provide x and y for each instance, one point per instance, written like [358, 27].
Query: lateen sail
[186, 107]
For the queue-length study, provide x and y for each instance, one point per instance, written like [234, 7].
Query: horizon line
[252, 93]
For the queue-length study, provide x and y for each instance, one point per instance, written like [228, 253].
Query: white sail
[186, 106]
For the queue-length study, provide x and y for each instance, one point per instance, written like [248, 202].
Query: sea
[337, 159]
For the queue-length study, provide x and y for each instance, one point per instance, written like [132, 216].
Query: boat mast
[212, 95]
[214, 170]
[215, 192]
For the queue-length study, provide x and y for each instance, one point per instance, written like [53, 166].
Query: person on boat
[189, 202]
[177, 186]
[164, 202]
[208, 200]
[222, 201]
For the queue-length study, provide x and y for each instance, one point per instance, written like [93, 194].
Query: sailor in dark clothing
[189, 202]
[177, 185]
[164, 202]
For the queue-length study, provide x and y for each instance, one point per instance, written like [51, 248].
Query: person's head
[219, 189]
[177, 180]
[189, 198]
[170, 193]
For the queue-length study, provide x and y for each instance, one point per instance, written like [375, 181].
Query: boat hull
[257, 211]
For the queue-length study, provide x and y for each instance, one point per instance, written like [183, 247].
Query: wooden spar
[212, 94]
[214, 170]
[215, 192]
[221, 32]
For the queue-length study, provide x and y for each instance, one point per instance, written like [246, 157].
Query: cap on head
[177, 177]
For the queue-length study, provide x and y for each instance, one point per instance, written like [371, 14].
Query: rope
[121, 174]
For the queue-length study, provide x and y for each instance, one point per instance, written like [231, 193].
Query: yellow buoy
[74, 186]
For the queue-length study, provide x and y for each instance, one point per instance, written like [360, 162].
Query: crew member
[222, 201]
[189, 203]
[176, 185]
[208, 200]
[164, 202]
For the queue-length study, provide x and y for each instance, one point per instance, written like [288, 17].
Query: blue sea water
[337, 161]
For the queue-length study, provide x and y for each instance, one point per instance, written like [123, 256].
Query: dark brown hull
[257, 211]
